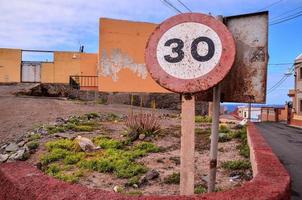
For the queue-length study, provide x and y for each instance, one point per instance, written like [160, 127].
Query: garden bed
[134, 163]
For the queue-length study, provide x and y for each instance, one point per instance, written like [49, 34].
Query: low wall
[20, 180]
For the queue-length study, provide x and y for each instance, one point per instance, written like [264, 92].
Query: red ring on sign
[201, 83]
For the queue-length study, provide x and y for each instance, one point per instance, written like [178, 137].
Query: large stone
[3, 157]
[21, 154]
[21, 143]
[150, 175]
[12, 147]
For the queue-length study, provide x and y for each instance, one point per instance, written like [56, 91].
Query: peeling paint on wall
[112, 64]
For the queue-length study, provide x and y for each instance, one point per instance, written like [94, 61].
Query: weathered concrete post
[187, 145]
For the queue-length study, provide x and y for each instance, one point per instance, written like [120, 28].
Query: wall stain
[112, 64]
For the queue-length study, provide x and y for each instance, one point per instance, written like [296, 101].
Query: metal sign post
[214, 138]
[189, 53]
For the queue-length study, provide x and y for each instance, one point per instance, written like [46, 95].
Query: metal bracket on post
[187, 144]
[214, 138]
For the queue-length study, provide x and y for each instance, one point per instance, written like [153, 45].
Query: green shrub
[54, 155]
[35, 137]
[134, 193]
[199, 189]
[53, 169]
[73, 158]
[60, 144]
[203, 119]
[172, 178]
[70, 178]
[244, 150]
[83, 128]
[126, 169]
[33, 145]
[236, 165]
[112, 117]
[133, 180]
[107, 143]
[92, 115]
[142, 123]
[201, 131]
[224, 129]
[148, 147]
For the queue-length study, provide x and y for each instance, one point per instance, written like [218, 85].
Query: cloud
[48, 24]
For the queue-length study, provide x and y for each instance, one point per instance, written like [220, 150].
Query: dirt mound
[49, 90]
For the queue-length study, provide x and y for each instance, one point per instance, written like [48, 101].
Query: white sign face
[189, 50]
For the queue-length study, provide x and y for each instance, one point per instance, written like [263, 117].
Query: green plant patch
[203, 119]
[172, 178]
[199, 189]
[64, 144]
[73, 158]
[54, 155]
[114, 158]
[107, 143]
[92, 115]
[148, 147]
[35, 137]
[236, 165]
[133, 180]
[203, 131]
[134, 193]
[244, 150]
[113, 117]
[142, 123]
[33, 145]
[224, 129]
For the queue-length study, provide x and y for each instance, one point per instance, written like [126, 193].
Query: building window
[244, 114]
[300, 72]
[300, 105]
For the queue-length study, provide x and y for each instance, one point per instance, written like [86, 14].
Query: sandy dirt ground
[20, 114]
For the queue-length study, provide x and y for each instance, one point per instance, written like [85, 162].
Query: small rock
[12, 147]
[3, 157]
[135, 185]
[60, 121]
[21, 144]
[65, 135]
[42, 131]
[235, 173]
[142, 136]
[20, 139]
[205, 179]
[175, 159]
[117, 188]
[235, 178]
[150, 175]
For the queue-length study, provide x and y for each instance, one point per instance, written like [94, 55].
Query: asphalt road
[286, 143]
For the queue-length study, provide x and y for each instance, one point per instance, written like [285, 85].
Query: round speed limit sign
[190, 53]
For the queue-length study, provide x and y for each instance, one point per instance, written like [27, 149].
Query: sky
[67, 24]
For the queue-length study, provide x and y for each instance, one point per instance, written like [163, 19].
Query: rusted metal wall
[246, 82]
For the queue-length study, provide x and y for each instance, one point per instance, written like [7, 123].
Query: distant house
[296, 95]
[243, 112]
[274, 114]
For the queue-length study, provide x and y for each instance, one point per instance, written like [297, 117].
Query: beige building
[296, 94]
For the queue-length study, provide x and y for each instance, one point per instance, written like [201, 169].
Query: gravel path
[19, 114]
